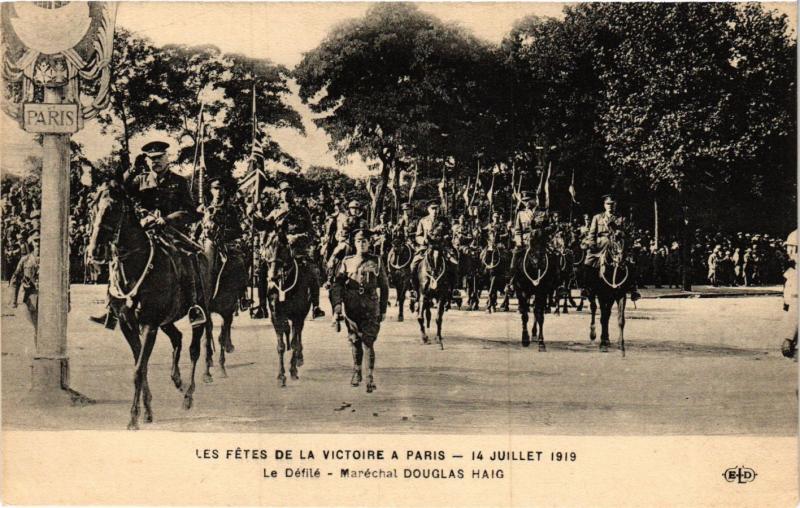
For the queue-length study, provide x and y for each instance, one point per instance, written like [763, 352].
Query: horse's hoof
[441, 346]
[282, 381]
[222, 372]
[133, 426]
[187, 403]
[299, 361]
[371, 387]
[399, 319]
[148, 417]
[356, 379]
[178, 383]
[542, 347]
[229, 348]
[207, 378]
[604, 348]
[526, 340]
[293, 374]
[424, 339]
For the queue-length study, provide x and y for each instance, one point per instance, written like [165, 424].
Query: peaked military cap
[155, 148]
[216, 183]
[405, 206]
[608, 198]
[433, 202]
[284, 185]
[527, 195]
[354, 204]
[362, 233]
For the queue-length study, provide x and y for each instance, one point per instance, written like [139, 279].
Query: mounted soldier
[529, 220]
[425, 227]
[221, 224]
[346, 226]
[604, 226]
[294, 220]
[406, 219]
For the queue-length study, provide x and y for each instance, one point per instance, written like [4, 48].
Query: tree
[392, 88]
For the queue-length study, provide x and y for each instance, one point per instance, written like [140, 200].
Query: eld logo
[739, 475]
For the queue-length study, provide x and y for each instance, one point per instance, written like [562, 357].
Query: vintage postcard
[399, 254]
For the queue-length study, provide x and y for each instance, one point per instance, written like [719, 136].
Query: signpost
[48, 49]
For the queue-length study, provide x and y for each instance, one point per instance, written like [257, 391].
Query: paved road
[694, 366]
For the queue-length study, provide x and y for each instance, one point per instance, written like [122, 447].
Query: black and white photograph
[401, 219]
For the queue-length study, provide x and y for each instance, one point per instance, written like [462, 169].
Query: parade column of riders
[353, 254]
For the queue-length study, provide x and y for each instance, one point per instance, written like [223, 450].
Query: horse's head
[399, 237]
[615, 251]
[110, 209]
[558, 243]
[538, 239]
[277, 256]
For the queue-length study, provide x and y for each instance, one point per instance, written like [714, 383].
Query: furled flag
[572, 187]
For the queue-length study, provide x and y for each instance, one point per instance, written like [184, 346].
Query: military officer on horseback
[603, 227]
[360, 294]
[165, 200]
[496, 232]
[346, 225]
[294, 220]
[434, 221]
[529, 220]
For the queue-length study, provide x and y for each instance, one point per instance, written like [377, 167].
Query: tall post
[50, 364]
[655, 221]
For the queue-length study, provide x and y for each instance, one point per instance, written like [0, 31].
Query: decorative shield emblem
[57, 44]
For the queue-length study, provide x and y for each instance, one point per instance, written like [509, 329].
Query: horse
[610, 284]
[227, 286]
[399, 262]
[470, 272]
[563, 245]
[435, 277]
[289, 300]
[535, 276]
[494, 262]
[145, 293]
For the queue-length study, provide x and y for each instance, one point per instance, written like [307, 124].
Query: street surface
[693, 366]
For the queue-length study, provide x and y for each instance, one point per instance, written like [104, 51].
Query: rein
[403, 265]
[428, 262]
[491, 265]
[536, 281]
[614, 276]
[283, 291]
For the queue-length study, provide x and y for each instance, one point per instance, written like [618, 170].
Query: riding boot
[197, 315]
[109, 320]
[261, 311]
[313, 274]
[358, 356]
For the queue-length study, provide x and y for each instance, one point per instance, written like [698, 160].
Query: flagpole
[253, 239]
[196, 145]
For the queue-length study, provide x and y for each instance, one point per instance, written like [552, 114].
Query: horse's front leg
[439, 319]
[281, 330]
[605, 315]
[422, 303]
[539, 305]
[401, 301]
[593, 308]
[209, 333]
[294, 344]
[225, 345]
[176, 338]
[522, 298]
[194, 354]
[148, 334]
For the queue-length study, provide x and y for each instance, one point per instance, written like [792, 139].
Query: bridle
[282, 291]
[392, 257]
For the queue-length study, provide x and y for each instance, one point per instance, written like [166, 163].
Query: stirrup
[196, 320]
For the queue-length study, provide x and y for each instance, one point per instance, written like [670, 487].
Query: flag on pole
[490, 192]
[547, 186]
[572, 187]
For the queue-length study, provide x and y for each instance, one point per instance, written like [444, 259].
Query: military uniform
[294, 220]
[167, 194]
[603, 224]
[26, 277]
[361, 293]
[526, 223]
[346, 225]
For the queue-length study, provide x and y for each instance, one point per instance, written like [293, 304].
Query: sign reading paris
[50, 118]
[56, 45]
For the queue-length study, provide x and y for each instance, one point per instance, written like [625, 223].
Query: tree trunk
[686, 249]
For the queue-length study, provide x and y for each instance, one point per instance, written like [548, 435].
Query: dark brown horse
[227, 286]
[610, 284]
[435, 277]
[289, 300]
[494, 261]
[146, 293]
[399, 263]
[535, 277]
